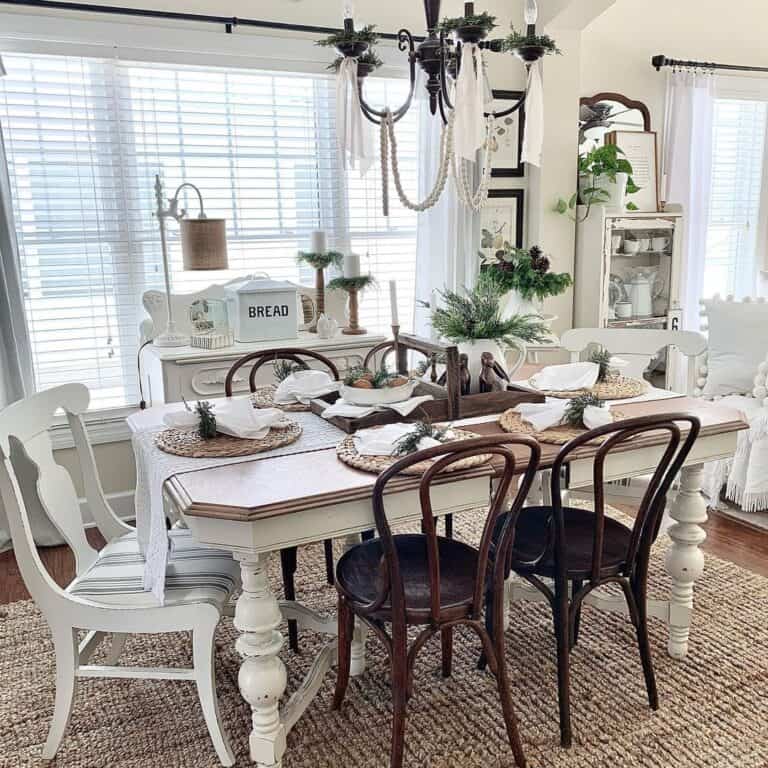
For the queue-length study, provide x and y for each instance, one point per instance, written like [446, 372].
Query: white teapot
[327, 327]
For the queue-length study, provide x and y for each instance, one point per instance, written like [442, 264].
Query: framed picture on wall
[501, 220]
[639, 148]
[507, 140]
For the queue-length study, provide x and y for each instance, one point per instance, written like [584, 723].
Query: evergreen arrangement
[410, 443]
[476, 315]
[369, 60]
[352, 283]
[321, 260]
[602, 358]
[483, 20]
[364, 35]
[515, 41]
[207, 426]
[574, 411]
[525, 271]
[284, 368]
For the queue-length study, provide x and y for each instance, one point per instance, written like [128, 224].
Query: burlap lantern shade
[204, 243]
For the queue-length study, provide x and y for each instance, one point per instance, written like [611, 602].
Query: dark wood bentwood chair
[430, 581]
[287, 556]
[585, 549]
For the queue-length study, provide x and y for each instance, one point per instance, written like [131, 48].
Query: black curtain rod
[662, 61]
[228, 22]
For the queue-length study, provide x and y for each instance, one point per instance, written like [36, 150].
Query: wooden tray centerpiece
[449, 403]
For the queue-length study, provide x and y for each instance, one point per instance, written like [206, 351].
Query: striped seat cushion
[194, 574]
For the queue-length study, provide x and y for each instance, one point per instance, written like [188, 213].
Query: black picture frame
[519, 196]
[517, 171]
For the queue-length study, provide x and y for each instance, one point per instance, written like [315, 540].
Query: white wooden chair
[640, 345]
[107, 595]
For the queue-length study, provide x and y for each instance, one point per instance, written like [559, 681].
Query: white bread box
[263, 309]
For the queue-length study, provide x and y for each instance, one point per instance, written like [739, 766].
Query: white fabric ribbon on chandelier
[533, 139]
[355, 135]
[469, 100]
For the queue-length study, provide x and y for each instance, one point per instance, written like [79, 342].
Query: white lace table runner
[154, 467]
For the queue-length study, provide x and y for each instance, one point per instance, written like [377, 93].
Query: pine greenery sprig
[410, 443]
[483, 20]
[516, 40]
[207, 426]
[321, 260]
[476, 315]
[525, 271]
[363, 35]
[574, 411]
[370, 58]
[284, 368]
[602, 358]
[351, 283]
[378, 379]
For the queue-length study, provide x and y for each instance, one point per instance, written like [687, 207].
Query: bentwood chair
[425, 580]
[107, 596]
[288, 556]
[584, 549]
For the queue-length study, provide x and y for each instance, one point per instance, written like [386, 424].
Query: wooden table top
[280, 485]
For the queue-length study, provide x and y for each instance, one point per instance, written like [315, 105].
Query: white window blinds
[84, 139]
[739, 128]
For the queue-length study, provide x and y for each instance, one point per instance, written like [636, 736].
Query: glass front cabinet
[633, 262]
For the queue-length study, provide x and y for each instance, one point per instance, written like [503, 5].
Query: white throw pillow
[738, 343]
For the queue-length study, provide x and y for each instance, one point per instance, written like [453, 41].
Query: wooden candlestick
[353, 328]
[319, 298]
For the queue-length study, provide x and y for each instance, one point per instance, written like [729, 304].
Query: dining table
[256, 507]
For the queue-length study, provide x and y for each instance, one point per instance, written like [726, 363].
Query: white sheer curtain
[687, 173]
[447, 235]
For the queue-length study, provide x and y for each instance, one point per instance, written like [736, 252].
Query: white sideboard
[168, 374]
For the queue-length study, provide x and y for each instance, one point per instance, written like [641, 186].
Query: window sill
[107, 426]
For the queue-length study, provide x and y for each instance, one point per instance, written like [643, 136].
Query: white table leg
[685, 560]
[357, 663]
[262, 678]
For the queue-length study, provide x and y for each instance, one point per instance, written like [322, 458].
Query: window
[731, 260]
[85, 138]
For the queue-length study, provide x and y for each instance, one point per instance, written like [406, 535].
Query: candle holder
[320, 262]
[352, 285]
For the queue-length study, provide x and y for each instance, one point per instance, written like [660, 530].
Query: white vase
[512, 303]
[474, 350]
[616, 190]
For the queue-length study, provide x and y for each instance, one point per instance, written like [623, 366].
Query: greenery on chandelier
[352, 283]
[476, 315]
[600, 162]
[369, 59]
[574, 411]
[409, 443]
[321, 260]
[602, 358]
[207, 426]
[515, 41]
[525, 271]
[344, 37]
[483, 20]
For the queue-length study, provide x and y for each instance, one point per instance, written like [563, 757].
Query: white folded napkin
[302, 386]
[236, 416]
[541, 416]
[382, 441]
[595, 416]
[564, 378]
[181, 419]
[342, 408]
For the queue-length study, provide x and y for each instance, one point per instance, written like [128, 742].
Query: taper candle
[393, 301]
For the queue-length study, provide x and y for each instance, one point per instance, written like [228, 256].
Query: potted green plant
[473, 321]
[523, 277]
[468, 29]
[529, 47]
[351, 42]
[605, 177]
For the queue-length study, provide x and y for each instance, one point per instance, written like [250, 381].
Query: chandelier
[452, 58]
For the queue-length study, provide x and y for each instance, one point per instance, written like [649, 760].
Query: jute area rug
[714, 705]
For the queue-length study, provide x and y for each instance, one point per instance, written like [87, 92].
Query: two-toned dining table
[257, 507]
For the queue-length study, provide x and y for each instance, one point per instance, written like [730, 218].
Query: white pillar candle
[352, 265]
[319, 242]
[393, 301]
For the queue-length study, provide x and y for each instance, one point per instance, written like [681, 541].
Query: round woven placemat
[613, 388]
[347, 452]
[187, 442]
[264, 397]
[511, 421]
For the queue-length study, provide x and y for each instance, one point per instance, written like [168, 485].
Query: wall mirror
[605, 112]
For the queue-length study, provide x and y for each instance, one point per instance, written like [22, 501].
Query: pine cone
[542, 265]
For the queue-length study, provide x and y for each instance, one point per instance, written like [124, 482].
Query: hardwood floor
[728, 539]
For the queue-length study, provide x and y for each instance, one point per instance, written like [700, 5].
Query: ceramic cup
[623, 309]
[631, 246]
[616, 241]
[659, 243]
[645, 243]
